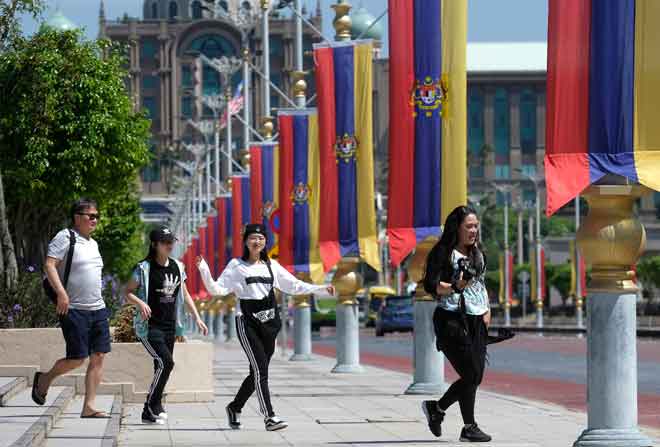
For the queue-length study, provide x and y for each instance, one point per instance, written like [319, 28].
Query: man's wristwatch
[455, 288]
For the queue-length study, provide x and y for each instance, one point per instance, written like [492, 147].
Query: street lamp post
[265, 8]
[536, 179]
[506, 189]
[578, 268]
[216, 103]
[226, 66]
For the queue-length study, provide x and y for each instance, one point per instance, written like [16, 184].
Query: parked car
[375, 297]
[395, 315]
[323, 312]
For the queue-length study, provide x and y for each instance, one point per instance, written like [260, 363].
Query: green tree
[559, 277]
[68, 129]
[120, 234]
[10, 10]
[648, 271]
[9, 30]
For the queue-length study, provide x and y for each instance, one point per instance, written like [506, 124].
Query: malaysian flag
[235, 104]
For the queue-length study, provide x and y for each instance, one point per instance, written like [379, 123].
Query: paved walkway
[336, 410]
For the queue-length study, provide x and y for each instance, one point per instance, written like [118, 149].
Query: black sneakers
[472, 433]
[434, 416]
[148, 416]
[274, 423]
[233, 418]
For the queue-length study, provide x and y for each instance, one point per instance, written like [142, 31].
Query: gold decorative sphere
[267, 127]
[347, 280]
[299, 84]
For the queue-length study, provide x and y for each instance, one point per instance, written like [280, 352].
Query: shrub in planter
[25, 305]
[123, 324]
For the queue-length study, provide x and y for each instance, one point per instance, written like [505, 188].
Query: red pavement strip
[647, 350]
[567, 394]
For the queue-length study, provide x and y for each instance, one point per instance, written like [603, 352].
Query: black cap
[254, 228]
[162, 234]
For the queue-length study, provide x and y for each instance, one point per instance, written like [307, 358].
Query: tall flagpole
[265, 37]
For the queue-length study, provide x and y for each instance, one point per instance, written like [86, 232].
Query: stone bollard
[218, 326]
[213, 313]
[231, 319]
[205, 314]
[347, 281]
[428, 362]
[302, 327]
[611, 240]
[198, 305]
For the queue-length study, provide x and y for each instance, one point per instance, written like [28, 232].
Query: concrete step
[23, 423]
[26, 371]
[72, 431]
[10, 387]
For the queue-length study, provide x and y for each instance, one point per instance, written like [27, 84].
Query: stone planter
[128, 369]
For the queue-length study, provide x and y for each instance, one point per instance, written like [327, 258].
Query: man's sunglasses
[91, 216]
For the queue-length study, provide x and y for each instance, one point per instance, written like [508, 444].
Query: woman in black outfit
[455, 276]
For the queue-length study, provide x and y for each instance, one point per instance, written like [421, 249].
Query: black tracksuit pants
[160, 345]
[463, 343]
[258, 342]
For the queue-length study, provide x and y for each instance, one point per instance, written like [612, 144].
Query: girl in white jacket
[253, 279]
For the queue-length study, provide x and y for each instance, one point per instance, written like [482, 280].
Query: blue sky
[488, 20]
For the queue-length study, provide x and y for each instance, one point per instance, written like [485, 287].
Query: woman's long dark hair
[438, 260]
[151, 256]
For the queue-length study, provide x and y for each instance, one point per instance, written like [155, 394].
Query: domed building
[364, 26]
[58, 21]
[168, 82]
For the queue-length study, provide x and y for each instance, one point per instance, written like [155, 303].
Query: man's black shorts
[85, 332]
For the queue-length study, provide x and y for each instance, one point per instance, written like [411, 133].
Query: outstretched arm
[291, 285]
[221, 287]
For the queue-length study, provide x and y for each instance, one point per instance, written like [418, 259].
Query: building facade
[167, 82]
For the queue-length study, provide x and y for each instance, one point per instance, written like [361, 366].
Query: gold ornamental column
[611, 240]
[347, 282]
[428, 362]
[342, 21]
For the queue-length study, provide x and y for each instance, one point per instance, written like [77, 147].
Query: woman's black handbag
[48, 288]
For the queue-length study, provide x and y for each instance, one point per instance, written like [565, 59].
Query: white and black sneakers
[160, 412]
[233, 418]
[274, 423]
[149, 417]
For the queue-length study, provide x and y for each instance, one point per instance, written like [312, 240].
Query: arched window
[224, 5]
[154, 10]
[212, 46]
[196, 7]
[174, 10]
[246, 5]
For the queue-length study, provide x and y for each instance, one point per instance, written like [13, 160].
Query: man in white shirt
[80, 306]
